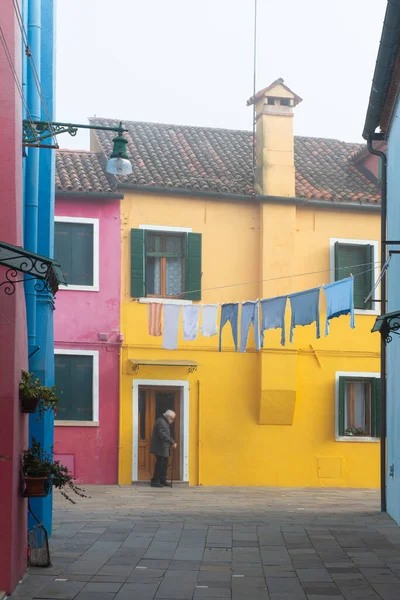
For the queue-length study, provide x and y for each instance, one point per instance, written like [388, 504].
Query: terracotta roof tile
[216, 160]
[82, 171]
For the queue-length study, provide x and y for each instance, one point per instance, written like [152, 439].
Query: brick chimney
[274, 157]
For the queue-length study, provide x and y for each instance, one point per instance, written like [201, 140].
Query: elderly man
[161, 442]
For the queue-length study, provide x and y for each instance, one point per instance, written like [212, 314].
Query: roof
[262, 92]
[82, 171]
[385, 63]
[220, 161]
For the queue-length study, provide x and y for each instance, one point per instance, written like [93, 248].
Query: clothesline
[221, 287]
[164, 319]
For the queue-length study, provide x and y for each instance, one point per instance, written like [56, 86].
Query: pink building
[87, 325]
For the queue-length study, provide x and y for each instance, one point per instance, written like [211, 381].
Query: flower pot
[28, 404]
[36, 487]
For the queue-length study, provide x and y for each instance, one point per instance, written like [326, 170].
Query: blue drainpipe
[42, 362]
[37, 214]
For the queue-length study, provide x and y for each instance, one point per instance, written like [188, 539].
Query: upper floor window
[166, 264]
[357, 259]
[76, 247]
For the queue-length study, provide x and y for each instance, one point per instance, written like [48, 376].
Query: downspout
[32, 165]
[383, 157]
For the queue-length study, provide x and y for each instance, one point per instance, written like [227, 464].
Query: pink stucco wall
[13, 337]
[79, 318]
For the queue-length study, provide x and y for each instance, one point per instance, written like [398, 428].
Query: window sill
[164, 301]
[76, 423]
[79, 288]
[355, 438]
[359, 311]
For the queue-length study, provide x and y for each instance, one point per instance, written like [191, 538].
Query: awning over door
[142, 362]
[19, 260]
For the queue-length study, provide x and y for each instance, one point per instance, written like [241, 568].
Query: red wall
[13, 337]
[79, 318]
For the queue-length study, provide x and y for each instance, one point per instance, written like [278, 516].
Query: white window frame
[95, 388]
[96, 256]
[165, 229]
[184, 423]
[354, 242]
[351, 375]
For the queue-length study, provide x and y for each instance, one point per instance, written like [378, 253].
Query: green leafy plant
[37, 462]
[31, 388]
[358, 431]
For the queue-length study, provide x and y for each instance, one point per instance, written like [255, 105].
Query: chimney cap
[262, 92]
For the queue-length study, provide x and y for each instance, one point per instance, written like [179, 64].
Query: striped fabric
[154, 311]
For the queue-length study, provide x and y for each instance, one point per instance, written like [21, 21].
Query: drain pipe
[32, 166]
[383, 157]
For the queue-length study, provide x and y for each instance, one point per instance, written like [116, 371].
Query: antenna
[254, 92]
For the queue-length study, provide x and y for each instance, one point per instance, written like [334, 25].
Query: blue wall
[393, 349]
[39, 222]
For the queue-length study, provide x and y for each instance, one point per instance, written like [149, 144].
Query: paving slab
[127, 542]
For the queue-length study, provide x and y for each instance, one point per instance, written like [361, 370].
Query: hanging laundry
[172, 314]
[209, 320]
[339, 300]
[190, 317]
[305, 309]
[154, 312]
[273, 316]
[249, 316]
[229, 312]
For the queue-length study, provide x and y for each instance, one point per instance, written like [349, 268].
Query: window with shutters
[358, 407]
[76, 247]
[165, 264]
[76, 381]
[352, 257]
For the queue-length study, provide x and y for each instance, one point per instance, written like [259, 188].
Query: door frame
[184, 424]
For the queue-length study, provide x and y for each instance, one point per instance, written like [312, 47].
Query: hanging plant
[41, 473]
[35, 396]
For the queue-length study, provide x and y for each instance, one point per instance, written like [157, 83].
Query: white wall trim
[166, 228]
[95, 388]
[96, 253]
[164, 301]
[351, 241]
[184, 424]
[349, 375]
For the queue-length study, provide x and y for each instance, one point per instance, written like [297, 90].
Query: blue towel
[339, 300]
[273, 316]
[305, 309]
[229, 312]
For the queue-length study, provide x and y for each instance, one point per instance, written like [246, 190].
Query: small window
[285, 102]
[357, 260]
[74, 387]
[74, 248]
[359, 407]
[271, 100]
[164, 265]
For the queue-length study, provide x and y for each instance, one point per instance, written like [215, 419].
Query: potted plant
[357, 431]
[33, 395]
[41, 472]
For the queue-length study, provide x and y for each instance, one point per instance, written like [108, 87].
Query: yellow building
[194, 216]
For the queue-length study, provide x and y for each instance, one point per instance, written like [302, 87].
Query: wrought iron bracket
[388, 325]
[45, 271]
[35, 132]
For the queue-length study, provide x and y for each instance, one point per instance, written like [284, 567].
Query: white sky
[190, 62]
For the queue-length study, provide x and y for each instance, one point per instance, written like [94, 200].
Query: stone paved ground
[137, 543]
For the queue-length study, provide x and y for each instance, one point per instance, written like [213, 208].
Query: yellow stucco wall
[230, 394]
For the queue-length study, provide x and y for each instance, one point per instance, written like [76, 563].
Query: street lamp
[34, 132]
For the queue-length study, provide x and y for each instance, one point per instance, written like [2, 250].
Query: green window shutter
[193, 267]
[342, 398]
[376, 407]
[137, 263]
[347, 256]
[74, 387]
[73, 248]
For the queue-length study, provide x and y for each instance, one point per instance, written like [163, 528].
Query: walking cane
[172, 465]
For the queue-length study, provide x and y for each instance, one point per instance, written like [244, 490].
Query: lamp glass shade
[119, 166]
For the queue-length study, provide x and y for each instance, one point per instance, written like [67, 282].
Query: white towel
[209, 320]
[172, 313]
[190, 315]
